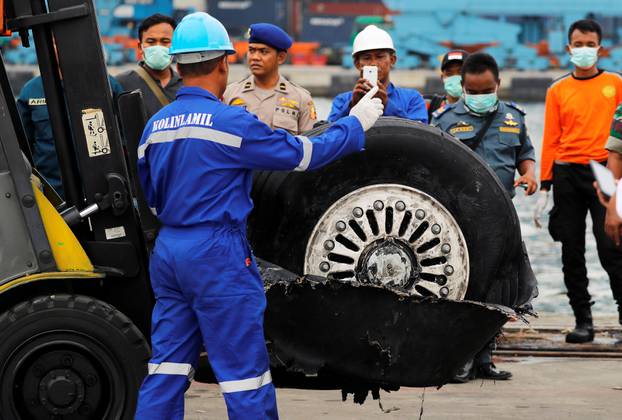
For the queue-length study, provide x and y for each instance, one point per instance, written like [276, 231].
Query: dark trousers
[574, 196]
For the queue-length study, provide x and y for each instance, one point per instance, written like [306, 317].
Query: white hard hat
[372, 38]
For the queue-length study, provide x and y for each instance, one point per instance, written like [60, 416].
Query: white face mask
[584, 57]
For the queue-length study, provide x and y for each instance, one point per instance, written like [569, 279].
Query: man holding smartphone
[373, 47]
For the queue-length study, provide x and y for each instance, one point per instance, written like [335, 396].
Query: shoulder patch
[516, 107]
[237, 101]
[442, 110]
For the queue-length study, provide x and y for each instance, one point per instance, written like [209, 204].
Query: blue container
[238, 15]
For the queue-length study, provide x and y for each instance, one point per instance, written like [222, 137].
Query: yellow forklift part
[3, 29]
[66, 248]
[54, 275]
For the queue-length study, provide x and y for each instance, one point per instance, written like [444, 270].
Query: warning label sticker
[95, 132]
[115, 232]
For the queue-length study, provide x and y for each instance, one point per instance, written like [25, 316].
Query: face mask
[481, 104]
[157, 57]
[584, 57]
[453, 86]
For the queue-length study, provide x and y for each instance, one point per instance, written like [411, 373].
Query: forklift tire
[398, 152]
[69, 357]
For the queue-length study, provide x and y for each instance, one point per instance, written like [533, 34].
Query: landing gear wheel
[470, 246]
[393, 236]
[69, 358]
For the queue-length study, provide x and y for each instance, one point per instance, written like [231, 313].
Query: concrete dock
[544, 386]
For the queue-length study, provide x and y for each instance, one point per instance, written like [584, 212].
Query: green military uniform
[505, 144]
[287, 106]
[614, 144]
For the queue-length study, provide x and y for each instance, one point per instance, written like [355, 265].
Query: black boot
[584, 328]
[490, 371]
[464, 374]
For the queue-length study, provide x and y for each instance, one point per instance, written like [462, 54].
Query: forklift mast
[99, 190]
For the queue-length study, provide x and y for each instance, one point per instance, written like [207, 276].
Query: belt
[200, 229]
[562, 163]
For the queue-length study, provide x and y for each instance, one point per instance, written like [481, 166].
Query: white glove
[543, 200]
[368, 109]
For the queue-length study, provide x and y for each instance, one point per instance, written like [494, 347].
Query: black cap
[453, 55]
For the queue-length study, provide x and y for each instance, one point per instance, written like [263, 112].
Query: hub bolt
[325, 266]
[444, 291]
[341, 226]
[449, 270]
[400, 206]
[436, 229]
[378, 205]
[445, 248]
[420, 214]
[329, 245]
[357, 212]
[91, 380]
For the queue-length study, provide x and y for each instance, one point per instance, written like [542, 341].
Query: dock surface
[563, 386]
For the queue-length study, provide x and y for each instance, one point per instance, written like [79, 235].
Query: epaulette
[442, 110]
[516, 107]
[248, 85]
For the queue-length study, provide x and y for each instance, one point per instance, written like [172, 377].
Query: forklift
[75, 298]
[75, 295]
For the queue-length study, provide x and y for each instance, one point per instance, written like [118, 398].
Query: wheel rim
[61, 375]
[392, 236]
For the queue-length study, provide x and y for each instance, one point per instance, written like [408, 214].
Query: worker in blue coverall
[195, 162]
[374, 47]
[33, 111]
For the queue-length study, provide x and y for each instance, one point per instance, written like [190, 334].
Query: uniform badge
[509, 120]
[288, 103]
[513, 130]
[461, 127]
[36, 101]
[238, 102]
[609, 91]
[312, 111]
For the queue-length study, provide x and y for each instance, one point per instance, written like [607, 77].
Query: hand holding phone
[370, 73]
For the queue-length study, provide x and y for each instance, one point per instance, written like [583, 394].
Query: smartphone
[604, 177]
[370, 73]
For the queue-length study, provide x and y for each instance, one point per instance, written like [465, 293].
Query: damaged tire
[415, 211]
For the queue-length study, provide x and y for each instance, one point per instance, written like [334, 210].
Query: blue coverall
[33, 111]
[195, 165]
[402, 102]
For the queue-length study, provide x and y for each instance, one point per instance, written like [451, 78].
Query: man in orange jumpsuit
[579, 109]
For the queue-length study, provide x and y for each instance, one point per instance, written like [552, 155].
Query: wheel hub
[389, 263]
[394, 236]
[61, 391]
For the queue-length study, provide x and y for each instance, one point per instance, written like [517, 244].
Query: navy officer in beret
[273, 99]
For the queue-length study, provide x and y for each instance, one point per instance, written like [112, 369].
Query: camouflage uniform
[614, 144]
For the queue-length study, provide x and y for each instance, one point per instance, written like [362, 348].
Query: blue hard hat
[198, 32]
[269, 34]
